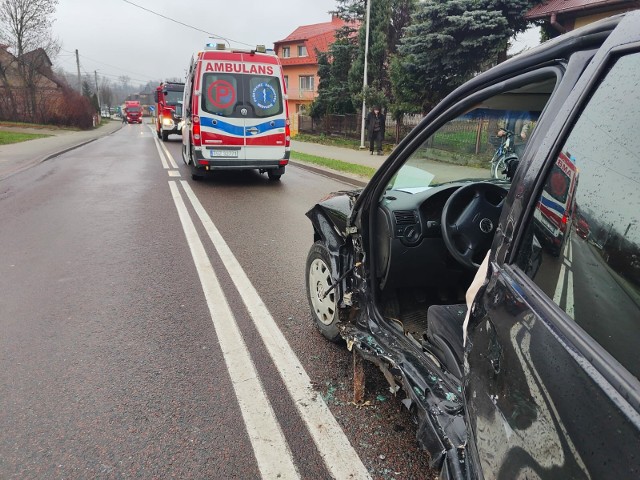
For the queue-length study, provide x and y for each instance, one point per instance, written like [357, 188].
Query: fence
[470, 136]
[348, 126]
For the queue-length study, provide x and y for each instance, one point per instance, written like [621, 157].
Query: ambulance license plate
[223, 153]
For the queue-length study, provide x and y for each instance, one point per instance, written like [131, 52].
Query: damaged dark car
[513, 339]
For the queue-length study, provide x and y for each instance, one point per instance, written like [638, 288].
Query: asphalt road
[122, 284]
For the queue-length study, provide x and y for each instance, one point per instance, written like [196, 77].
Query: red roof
[307, 31]
[315, 37]
[549, 7]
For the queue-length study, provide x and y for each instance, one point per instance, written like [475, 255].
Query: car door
[553, 386]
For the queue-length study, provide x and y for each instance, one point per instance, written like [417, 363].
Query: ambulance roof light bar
[222, 46]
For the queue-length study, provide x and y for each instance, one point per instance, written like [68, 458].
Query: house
[299, 60]
[566, 15]
[28, 86]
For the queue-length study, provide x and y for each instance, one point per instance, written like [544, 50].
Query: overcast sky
[116, 38]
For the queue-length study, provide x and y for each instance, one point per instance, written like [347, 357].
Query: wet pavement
[112, 366]
[17, 157]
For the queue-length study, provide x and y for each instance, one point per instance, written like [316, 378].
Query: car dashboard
[409, 245]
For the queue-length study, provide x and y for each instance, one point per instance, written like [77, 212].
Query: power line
[215, 35]
[109, 65]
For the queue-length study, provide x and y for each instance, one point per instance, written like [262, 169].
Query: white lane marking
[560, 285]
[270, 447]
[569, 304]
[173, 173]
[169, 156]
[162, 159]
[334, 447]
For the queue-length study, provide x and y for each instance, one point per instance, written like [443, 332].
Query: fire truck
[132, 111]
[168, 97]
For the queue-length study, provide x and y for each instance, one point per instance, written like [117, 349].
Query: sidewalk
[17, 157]
[361, 157]
[348, 155]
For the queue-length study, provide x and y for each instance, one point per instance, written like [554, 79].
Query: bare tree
[25, 27]
[106, 92]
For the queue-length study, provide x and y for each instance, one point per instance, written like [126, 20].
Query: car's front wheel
[324, 306]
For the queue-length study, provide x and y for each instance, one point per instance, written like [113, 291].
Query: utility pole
[95, 73]
[79, 78]
[364, 83]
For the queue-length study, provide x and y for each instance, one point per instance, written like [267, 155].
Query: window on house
[306, 83]
[286, 52]
[302, 51]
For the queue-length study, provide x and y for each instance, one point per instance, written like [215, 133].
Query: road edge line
[270, 447]
[334, 447]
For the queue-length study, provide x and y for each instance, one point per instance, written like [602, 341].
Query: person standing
[520, 124]
[375, 129]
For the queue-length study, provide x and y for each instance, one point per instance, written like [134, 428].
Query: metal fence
[348, 126]
[470, 136]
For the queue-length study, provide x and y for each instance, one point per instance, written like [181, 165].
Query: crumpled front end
[433, 396]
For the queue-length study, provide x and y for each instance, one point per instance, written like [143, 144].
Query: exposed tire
[324, 309]
[195, 178]
[165, 136]
[158, 134]
[274, 177]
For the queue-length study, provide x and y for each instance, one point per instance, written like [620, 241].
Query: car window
[582, 245]
[222, 93]
[485, 142]
[173, 97]
[264, 96]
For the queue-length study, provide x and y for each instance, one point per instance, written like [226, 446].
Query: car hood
[338, 206]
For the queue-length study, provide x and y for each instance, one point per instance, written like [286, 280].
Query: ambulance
[236, 113]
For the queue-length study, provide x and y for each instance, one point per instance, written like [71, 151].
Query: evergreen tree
[333, 69]
[448, 42]
[387, 22]
[87, 90]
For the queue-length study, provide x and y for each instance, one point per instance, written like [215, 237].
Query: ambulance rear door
[222, 111]
[266, 115]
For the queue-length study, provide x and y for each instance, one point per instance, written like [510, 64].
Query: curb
[35, 162]
[325, 172]
[78, 145]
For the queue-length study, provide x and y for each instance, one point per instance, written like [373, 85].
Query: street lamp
[364, 83]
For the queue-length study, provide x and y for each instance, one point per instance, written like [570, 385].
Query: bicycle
[503, 155]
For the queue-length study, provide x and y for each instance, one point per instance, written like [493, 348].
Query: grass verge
[14, 137]
[6, 123]
[337, 165]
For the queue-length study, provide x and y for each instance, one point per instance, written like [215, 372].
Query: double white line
[272, 452]
[162, 149]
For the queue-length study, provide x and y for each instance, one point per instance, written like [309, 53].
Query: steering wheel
[469, 221]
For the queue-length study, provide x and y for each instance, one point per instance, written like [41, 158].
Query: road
[152, 326]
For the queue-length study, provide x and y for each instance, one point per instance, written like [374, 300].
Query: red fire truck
[132, 111]
[168, 98]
